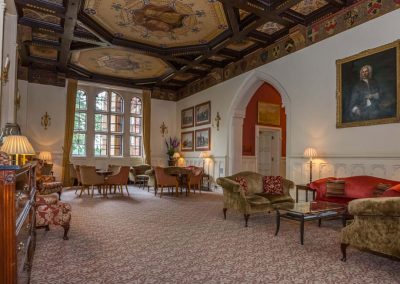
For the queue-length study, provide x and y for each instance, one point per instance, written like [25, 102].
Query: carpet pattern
[145, 239]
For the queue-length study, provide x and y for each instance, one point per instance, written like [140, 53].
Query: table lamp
[176, 157]
[310, 153]
[17, 145]
[45, 156]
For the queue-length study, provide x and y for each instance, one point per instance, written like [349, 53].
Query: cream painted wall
[308, 78]
[36, 99]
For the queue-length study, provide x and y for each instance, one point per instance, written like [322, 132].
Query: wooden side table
[306, 188]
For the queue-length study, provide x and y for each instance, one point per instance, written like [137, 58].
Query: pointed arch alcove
[237, 113]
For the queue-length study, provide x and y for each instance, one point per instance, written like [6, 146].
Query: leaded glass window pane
[117, 103]
[79, 144]
[116, 123]
[80, 121]
[101, 122]
[81, 100]
[135, 125]
[136, 106]
[100, 145]
[116, 145]
[135, 146]
[102, 101]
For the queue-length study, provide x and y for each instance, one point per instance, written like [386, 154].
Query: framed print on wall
[203, 113]
[187, 117]
[269, 113]
[368, 86]
[187, 141]
[203, 139]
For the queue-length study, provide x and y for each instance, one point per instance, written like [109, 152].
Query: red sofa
[355, 187]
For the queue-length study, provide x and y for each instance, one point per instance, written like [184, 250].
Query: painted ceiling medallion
[172, 22]
[120, 63]
[306, 7]
[270, 28]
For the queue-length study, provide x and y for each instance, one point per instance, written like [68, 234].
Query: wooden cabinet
[17, 222]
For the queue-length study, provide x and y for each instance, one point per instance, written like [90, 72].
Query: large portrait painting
[187, 118]
[203, 113]
[368, 87]
[187, 141]
[203, 139]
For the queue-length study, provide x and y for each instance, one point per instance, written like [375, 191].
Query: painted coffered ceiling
[173, 47]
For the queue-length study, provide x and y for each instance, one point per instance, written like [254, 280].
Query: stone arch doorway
[237, 114]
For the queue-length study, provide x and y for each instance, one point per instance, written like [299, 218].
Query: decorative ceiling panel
[270, 28]
[242, 45]
[243, 14]
[217, 58]
[306, 7]
[49, 36]
[43, 52]
[184, 77]
[160, 23]
[120, 63]
[40, 16]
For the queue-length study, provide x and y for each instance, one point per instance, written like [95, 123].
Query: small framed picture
[203, 139]
[203, 113]
[187, 141]
[187, 117]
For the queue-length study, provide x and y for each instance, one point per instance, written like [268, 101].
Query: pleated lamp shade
[176, 155]
[17, 145]
[45, 156]
[310, 152]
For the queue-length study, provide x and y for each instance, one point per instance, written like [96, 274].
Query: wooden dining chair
[118, 180]
[90, 178]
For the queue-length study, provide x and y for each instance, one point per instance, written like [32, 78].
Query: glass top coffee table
[310, 211]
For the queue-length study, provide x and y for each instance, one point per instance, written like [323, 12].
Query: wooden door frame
[277, 130]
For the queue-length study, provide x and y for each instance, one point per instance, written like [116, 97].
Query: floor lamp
[310, 153]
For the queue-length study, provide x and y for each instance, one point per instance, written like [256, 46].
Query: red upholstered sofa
[355, 187]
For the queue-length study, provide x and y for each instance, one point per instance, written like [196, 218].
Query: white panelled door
[268, 152]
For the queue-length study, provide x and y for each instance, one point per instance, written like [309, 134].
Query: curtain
[69, 130]
[146, 125]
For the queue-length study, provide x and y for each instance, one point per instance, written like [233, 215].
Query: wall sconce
[163, 129]
[4, 71]
[217, 120]
[46, 120]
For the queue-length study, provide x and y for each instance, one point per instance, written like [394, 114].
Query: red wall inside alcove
[266, 93]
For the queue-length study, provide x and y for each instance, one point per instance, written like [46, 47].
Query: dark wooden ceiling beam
[40, 25]
[232, 18]
[39, 60]
[71, 16]
[42, 6]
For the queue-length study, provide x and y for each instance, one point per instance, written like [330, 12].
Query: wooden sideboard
[17, 222]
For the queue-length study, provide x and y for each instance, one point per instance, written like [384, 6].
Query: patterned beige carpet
[145, 239]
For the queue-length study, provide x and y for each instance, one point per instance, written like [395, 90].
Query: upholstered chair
[119, 179]
[137, 173]
[114, 168]
[90, 178]
[195, 178]
[47, 184]
[50, 211]
[164, 180]
[375, 227]
[78, 177]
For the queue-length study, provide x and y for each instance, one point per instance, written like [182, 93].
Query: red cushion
[396, 187]
[243, 183]
[391, 193]
[272, 184]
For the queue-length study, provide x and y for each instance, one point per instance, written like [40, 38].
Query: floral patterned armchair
[47, 184]
[50, 211]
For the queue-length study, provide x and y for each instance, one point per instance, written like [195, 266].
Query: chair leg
[246, 218]
[224, 210]
[343, 248]
[126, 187]
[92, 190]
[161, 192]
[66, 229]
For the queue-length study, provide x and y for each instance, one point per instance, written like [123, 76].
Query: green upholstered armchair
[138, 170]
[376, 226]
[254, 200]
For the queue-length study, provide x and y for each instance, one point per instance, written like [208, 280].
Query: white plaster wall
[161, 111]
[308, 77]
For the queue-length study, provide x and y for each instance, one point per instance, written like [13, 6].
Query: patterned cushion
[335, 188]
[381, 188]
[272, 184]
[396, 187]
[243, 183]
[53, 214]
